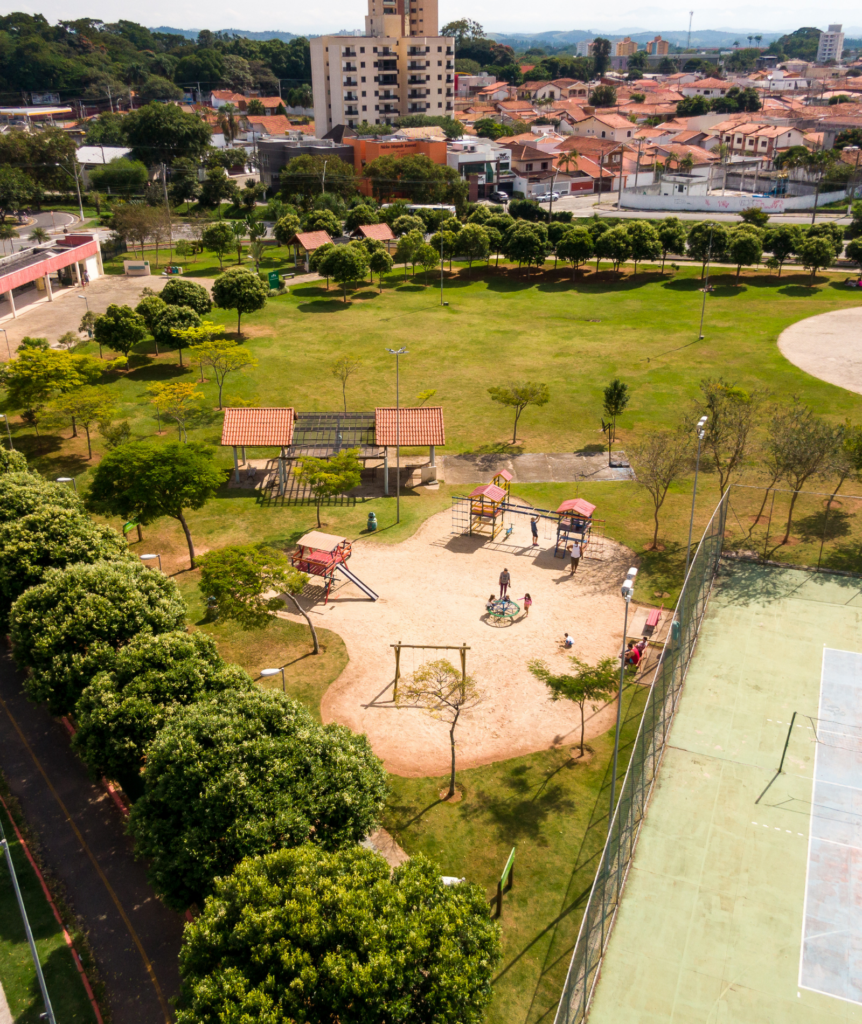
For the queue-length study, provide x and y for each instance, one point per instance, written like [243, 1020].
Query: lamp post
[266, 672]
[706, 283]
[68, 480]
[627, 590]
[8, 431]
[149, 558]
[701, 433]
[397, 353]
[8, 348]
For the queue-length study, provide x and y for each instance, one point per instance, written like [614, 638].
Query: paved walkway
[828, 346]
[134, 937]
[533, 467]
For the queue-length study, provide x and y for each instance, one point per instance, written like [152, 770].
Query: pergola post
[243, 455]
[281, 476]
[78, 274]
[431, 453]
[386, 471]
[48, 288]
[235, 465]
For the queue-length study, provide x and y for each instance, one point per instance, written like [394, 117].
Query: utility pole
[168, 207]
[690, 16]
[78, 187]
[110, 99]
[323, 179]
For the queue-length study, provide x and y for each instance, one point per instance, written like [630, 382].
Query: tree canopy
[241, 775]
[70, 626]
[310, 935]
[242, 290]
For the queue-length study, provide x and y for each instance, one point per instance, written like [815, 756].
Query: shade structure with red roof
[381, 232]
[308, 242]
[266, 427]
[416, 427]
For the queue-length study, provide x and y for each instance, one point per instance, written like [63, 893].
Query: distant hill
[192, 33]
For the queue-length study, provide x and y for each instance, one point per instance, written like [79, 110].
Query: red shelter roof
[311, 240]
[265, 427]
[382, 232]
[490, 491]
[420, 426]
[577, 505]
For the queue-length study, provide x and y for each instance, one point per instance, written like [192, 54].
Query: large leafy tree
[49, 537]
[121, 711]
[241, 775]
[707, 241]
[37, 375]
[145, 482]
[126, 177]
[328, 478]
[309, 935]
[70, 626]
[783, 241]
[473, 243]
[672, 234]
[305, 177]
[575, 247]
[170, 324]
[518, 396]
[816, 253]
[120, 328]
[219, 238]
[644, 241]
[527, 244]
[242, 290]
[161, 132]
[419, 177]
[17, 191]
[744, 247]
[347, 265]
[178, 292]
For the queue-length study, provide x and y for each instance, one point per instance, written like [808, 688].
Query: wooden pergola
[411, 428]
[259, 428]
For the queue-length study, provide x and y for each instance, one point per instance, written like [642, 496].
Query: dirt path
[828, 346]
[433, 589]
[134, 937]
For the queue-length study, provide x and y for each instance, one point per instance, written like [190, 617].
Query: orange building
[366, 149]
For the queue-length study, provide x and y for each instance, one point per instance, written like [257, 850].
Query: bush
[70, 626]
[178, 292]
[24, 493]
[304, 935]
[120, 713]
[12, 461]
[240, 775]
[49, 538]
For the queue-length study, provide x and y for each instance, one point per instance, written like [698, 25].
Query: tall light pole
[627, 590]
[68, 480]
[149, 558]
[8, 347]
[701, 433]
[397, 353]
[688, 43]
[705, 283]
[266, 672]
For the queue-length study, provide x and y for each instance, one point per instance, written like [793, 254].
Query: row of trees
[241, 801]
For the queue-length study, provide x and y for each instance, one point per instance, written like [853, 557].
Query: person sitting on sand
[566, 642]
[491, 603]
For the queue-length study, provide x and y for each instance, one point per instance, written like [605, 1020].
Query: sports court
[734, 910]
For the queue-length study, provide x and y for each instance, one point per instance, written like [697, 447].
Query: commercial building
[831, 44]
[658, 46]
[625, 47]
[399, 67]
[274, 154]
[33, 276]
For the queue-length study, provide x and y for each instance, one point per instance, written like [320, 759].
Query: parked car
[499, 197]
[548, 196]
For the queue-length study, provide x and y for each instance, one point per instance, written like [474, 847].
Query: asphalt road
[134, 937]
[53, 223]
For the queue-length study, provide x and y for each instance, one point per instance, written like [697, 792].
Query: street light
[6, 336]
[266, 672]
[8, 431]
[706, 283]
[701, 433]
[149, 558]
[627, 590]
[68, 480]
[397, 353]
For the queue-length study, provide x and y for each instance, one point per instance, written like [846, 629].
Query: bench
[654, 618]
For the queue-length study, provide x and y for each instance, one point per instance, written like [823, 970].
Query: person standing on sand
[534, 529]
[528, 602]
[505, 580]
[575, 555]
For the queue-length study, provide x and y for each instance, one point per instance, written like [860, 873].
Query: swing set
[399, 647]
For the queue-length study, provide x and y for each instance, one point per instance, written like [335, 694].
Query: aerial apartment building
[625, 48]
[658, 46]
[399, 67]
[831, 44]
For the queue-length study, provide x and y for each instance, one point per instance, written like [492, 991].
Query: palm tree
[7, 233]
[736, 44]
[228, 122]
[38, 235]
[685, 164]
[757, 40]
[239, 229]
[749, 41]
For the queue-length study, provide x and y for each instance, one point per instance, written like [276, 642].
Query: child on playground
[534, 529]
[489, 606]
[566, 642]
[528, 601]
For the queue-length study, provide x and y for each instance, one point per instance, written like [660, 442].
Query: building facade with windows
[399, 67]
[831, 44]
[625, 48]
[658, 47]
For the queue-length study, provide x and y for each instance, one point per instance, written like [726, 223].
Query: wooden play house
[574, 526]
[324, 554]
[487, 506]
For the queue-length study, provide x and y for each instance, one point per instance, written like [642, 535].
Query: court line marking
[96, 865]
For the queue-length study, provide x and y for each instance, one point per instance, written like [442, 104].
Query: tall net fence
[641, 774]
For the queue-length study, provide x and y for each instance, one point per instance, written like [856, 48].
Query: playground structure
[400, 647]
[483, 513]
[324, 554]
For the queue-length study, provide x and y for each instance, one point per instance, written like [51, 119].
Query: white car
[548, 196]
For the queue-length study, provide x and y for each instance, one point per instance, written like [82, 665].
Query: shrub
[178, 292]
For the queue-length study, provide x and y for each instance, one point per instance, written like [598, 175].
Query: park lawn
[500, 326]
[17, 973]
[280, 643]
[554, 811]
[205, 264]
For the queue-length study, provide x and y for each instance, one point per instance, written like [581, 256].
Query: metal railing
[641, 774]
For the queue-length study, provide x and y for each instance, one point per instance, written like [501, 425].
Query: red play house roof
[257, 426]
[578, 505]
[417, 426]
[490, 491]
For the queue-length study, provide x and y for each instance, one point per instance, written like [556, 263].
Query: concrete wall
[725, 204]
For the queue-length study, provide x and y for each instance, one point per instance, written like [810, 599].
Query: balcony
[448, 92]
[388, 108]
[417, 79]
[348, 52]
[352, 111]
[349, 67]
[388, 80]
[449, 79]
[417, 94]
[416, 65]
[351, 81]
[449, 51]
[387, 65]
[418, 108]
[385, 51]
[389, 96]
[351, 97]
[416, 51]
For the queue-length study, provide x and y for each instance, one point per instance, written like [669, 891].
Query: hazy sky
[495, 15]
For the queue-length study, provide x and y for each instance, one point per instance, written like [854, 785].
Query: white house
[711, 88]
[605, 126]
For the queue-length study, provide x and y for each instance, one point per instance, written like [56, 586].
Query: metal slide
[342, 568]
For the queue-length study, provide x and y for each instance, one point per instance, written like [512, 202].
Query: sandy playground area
[433, 589]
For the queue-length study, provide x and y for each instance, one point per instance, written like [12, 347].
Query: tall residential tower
[399, 67]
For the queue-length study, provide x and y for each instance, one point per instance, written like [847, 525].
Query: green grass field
[17, 973]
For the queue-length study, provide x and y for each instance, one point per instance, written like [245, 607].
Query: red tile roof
[272, 124]
[382, 232]
[257, 427]
[490, 491]
[311, 240]
[578, 505]
[419, 426]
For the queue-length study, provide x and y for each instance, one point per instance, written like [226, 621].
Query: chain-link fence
[643, 766]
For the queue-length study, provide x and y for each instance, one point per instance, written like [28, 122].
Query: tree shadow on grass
[495, 448]
[331, 305]
[159, 371]
[591, 449]
[799, 291]
[824, 525]
[520, 815]
[686, 284]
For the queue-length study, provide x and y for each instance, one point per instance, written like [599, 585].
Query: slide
[355, 579]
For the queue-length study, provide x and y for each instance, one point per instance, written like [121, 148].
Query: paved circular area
[828, 346]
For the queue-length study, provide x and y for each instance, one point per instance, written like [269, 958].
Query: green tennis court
[722, 887]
